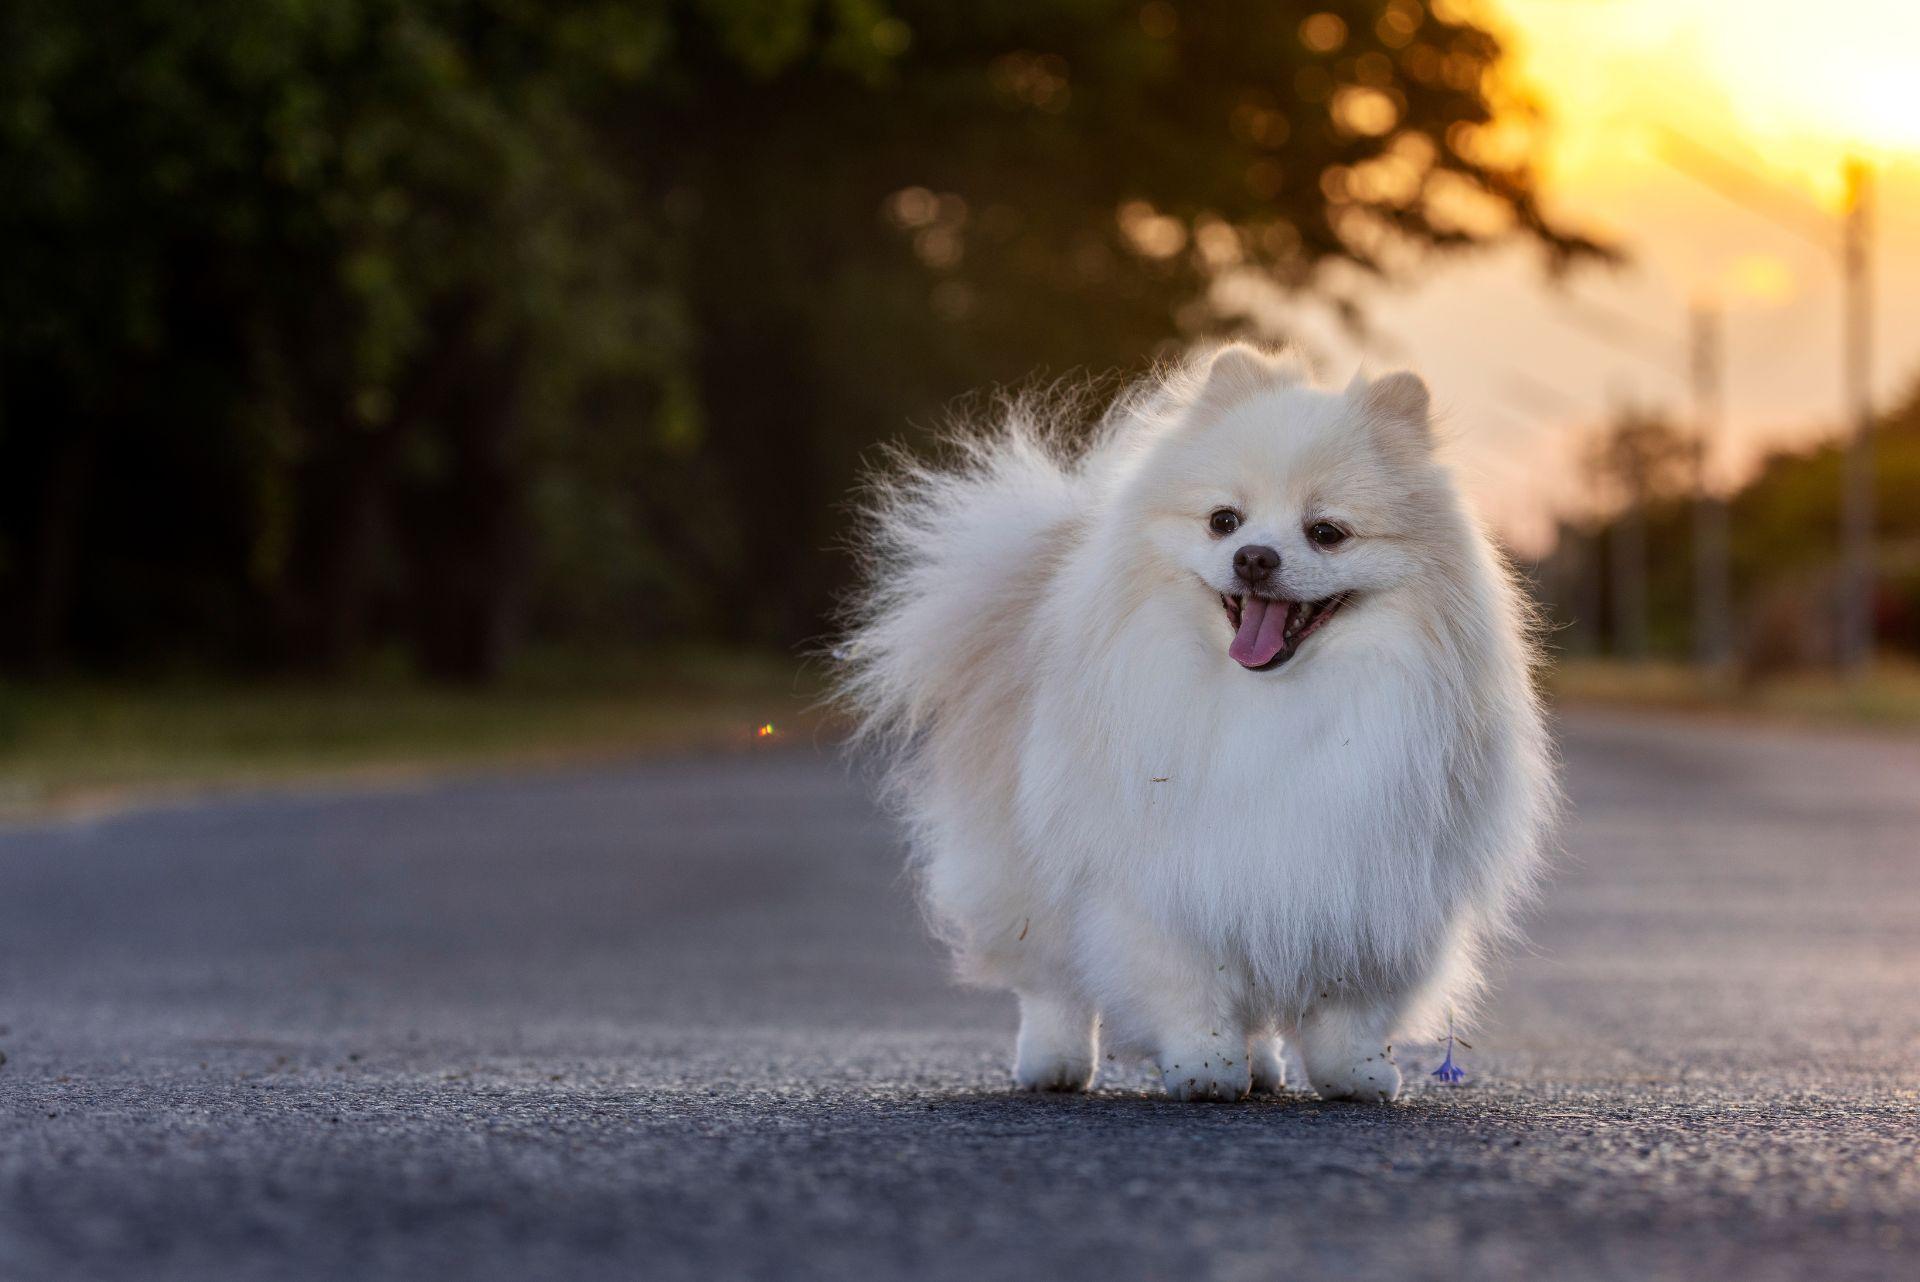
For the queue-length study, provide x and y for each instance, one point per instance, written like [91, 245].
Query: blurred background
[389, 382]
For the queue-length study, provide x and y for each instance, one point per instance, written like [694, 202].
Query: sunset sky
[1784, 90]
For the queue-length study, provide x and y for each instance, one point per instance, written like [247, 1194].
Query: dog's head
[1283, 510]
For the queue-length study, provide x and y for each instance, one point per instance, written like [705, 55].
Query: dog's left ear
[1234, 373]
[1399, 404]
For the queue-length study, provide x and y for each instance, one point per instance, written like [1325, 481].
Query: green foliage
[332, 322]
[1785, 540]
[93, 743]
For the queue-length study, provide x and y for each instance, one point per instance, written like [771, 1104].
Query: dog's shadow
[1432, 1109]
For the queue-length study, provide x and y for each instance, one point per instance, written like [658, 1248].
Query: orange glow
[1634, 96]
[1761, 278]
[1786, 83]
[765, 731]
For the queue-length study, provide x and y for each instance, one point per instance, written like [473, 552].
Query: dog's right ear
[1233, 374]
[1402, 397]
[1399, 408]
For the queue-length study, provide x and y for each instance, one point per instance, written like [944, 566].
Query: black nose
[1255, 563]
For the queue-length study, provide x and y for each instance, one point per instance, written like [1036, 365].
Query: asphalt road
[679, 1020]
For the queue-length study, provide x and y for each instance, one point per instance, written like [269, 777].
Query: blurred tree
[1787, 546]
[334, 322]
[1785, 528]
[1640, 461]
[305, 292]
[1026, 186]
[1641, 458]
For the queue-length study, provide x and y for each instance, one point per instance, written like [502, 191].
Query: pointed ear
[1398, 400]
[1234, 373]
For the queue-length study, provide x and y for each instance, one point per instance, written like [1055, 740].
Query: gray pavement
[680, 1020]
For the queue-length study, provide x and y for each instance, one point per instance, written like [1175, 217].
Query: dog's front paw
[1052, 1073]
[1269, 1066]
[1374, 1079]
[1056, 1047]
[1206, 1073]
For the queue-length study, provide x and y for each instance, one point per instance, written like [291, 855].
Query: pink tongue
[1262, 634]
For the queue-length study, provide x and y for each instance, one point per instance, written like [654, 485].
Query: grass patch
[86, 743]
[1887, 695]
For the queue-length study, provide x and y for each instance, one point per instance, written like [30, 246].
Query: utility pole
[1629, 581]
[1854, 639]
[1628, 545]
[1627, 536]
[1856, 616]
[1712, 592]
[1590, 589]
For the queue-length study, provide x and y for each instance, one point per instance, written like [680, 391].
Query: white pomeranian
[1218, 730]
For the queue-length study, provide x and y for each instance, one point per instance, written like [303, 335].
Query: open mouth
[1268, 632]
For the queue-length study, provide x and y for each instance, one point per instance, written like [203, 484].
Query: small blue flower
[1449, 1072]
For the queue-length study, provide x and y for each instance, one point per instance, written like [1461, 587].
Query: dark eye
[1224, 521]
[1326, 534]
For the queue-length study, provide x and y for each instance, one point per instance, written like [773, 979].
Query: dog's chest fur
[1301, 826]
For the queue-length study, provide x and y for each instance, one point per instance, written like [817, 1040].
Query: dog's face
[1282, 511]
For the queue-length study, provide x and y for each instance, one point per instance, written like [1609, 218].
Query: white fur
[1151, 845]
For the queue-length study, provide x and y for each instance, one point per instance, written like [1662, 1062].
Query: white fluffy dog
[1216, 730]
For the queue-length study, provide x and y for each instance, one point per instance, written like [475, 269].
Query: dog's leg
[1343, 1046]
[1266, 1058]
[1181, 1003]
[1203, 1042]
[1058, 1044]
[1203, 1063]
[1160, 994]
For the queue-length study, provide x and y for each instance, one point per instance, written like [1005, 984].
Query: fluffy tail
[953, 557]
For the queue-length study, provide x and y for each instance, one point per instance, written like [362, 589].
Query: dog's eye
[1223, 522]
[1326, 534]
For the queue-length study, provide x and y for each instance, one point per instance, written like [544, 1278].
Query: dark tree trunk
[353, 540]
[357, 531]
[56, 545]
[470, 550]
[760, 409]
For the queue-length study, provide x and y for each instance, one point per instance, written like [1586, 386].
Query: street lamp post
[1856, 624]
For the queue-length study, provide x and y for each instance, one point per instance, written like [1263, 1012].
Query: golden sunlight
[1759, 278]
[1789, 85]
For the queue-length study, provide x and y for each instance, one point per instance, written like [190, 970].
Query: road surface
[679, 1020]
